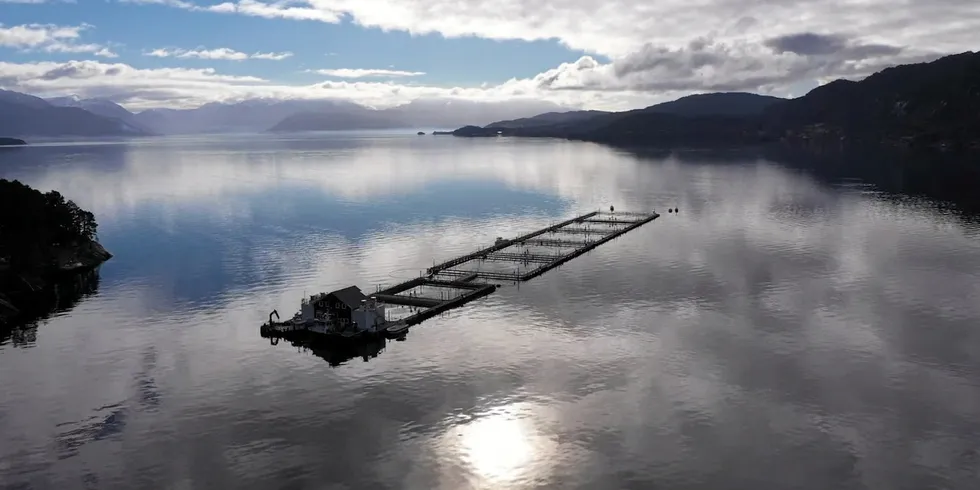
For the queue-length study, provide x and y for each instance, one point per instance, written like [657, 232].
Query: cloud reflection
[776, 322]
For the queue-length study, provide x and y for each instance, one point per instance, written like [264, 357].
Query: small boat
[397, 328]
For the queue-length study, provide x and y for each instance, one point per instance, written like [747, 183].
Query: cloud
[366, 73]
[269, 10]
[140, 88]
[50, 38]
[811, 44]
[271, 56]
[96, 49]
[215, 54]
[283, 10]
[35, 35]
[636, 52]
[615, 28]
[651, 74]
[706, 64]
[150, 87]
[643, 52]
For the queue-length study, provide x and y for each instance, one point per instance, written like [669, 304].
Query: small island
[11, 142]
[45, 241]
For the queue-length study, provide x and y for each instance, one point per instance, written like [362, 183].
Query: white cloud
[106, 53]
[660, 50]
[96, 49]
[139, 87]
[284, 10]
[173, 3]
[272, 56]
[617, 27]
[366, 73]
[35, 35]
[185, 87]
[656, 50]
[50, 38]
[215, 54]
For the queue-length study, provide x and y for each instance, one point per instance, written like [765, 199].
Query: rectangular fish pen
[455, 282]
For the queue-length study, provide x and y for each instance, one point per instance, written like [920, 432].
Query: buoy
[669, 210]
[611, 209]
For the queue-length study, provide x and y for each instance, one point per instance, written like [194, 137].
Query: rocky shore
[28, 291]
[48, 245]
[11, 142]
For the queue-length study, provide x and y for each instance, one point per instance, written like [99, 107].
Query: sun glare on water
[502, 449]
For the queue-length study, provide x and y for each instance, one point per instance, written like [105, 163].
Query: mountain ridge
[934, 104]
[27, 116]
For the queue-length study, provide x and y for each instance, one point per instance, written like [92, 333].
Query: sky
[593, 54]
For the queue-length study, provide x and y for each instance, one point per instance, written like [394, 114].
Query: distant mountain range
[420, 113]
[933, 104]
[26, 115]
[97, 106]
[547, 119]
[926, 104]
[74, 116]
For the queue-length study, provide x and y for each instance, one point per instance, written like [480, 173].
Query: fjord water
[784, 330]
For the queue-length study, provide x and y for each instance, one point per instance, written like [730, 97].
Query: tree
[32, 224]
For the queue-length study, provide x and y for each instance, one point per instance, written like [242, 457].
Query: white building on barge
[346, 312]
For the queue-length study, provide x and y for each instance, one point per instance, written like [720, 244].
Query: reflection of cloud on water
[383, 169]
[771, 309]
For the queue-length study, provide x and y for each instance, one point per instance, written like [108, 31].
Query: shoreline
[34, 291]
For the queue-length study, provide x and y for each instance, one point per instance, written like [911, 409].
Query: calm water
[783, 331]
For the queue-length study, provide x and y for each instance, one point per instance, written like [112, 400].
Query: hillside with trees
[44, 238]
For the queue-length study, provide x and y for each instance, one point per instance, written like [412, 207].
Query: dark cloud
[705, 64]
[64, 71]
[79, 69]
[812, 44]
[807, 43]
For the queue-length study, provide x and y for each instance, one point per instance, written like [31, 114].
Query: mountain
[26, 115]
[258, 115]
[934, 104]
[419, 113]
[452, 113]
[547, 119]
[97, 106]
[572, 123]
[717, 104]
[334, 121]
[100, 107]
[11, 97]
[253, 115]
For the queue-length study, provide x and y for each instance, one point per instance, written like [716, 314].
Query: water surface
[785, 330]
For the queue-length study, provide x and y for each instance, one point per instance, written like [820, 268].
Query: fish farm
[349, 313]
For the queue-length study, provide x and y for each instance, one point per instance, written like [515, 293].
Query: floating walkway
[465, 276]
[462, 279]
